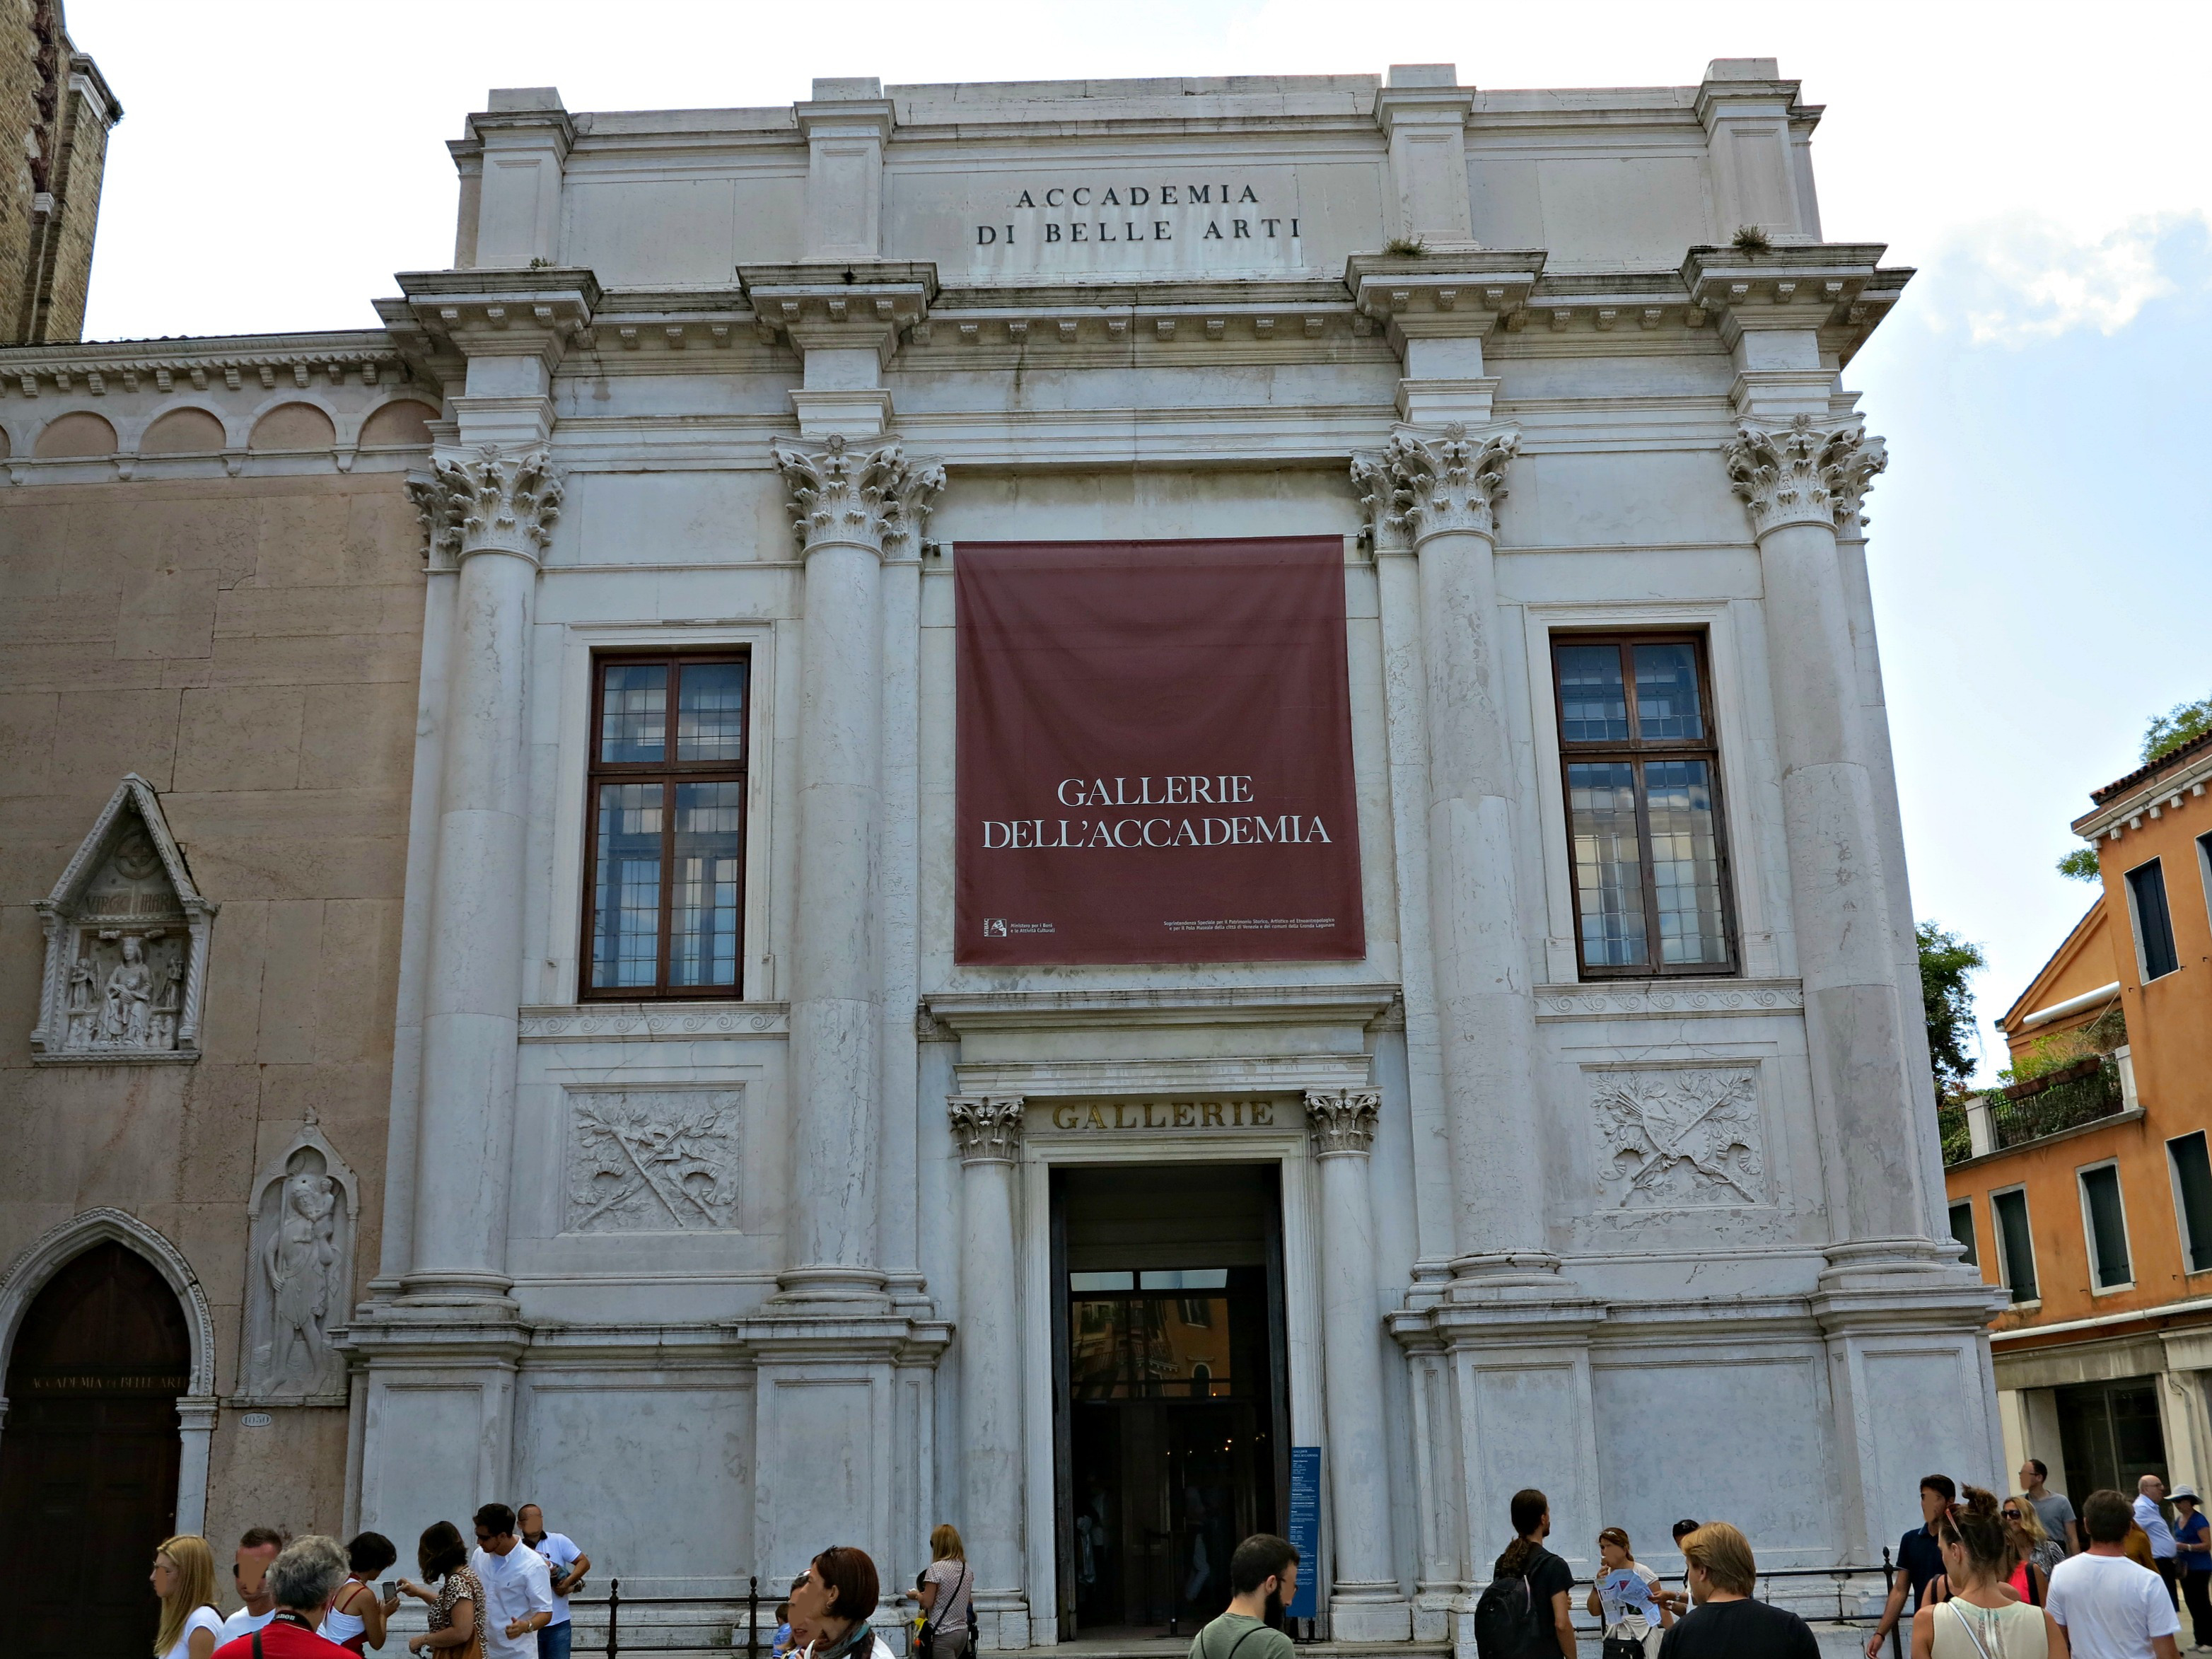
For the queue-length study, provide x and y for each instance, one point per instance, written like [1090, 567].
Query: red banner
[1155, 753]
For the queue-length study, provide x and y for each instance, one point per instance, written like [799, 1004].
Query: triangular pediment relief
[126, 942]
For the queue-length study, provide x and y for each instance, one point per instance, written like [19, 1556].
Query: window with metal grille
[2193, 1197]
[665, 843]
[2107, 1225]
[1641, 765]
[2015, 1249]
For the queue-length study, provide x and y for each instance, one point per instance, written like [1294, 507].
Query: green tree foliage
[1947, 1001]
[2081, 865]
[2168, 731]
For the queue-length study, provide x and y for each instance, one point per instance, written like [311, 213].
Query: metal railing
[614, 1602]
[2053, 1103]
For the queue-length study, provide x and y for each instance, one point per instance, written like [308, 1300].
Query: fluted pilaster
[989, 1129]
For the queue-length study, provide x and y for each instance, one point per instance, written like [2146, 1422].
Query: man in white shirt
[2150, 1493]
[2110, 1609]
[518, 1588]
[250, 1572]
[568, 1565]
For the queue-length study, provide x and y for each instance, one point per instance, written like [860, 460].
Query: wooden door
[88, 1458]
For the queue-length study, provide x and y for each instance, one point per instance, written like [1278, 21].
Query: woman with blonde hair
[946, 1592]
[2034, 1548]
[184, 1577]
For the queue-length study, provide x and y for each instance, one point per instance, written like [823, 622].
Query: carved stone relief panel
[126, 943]
[1674, 1137]
[299, 1274]
[653, 1160]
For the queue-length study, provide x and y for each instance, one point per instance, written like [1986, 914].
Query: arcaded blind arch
[78, 433]
[402, 424]
[183, 432]
[293, 426]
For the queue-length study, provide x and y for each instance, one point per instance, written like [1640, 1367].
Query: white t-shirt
[560, 1554]
[243, 1623]
[206, 1618]
[1627, 1619]
[2111, 1608]
[516, 1584]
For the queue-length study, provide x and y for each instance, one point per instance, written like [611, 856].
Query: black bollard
[1888, 1583]
[752, 1616]
[614, 1613]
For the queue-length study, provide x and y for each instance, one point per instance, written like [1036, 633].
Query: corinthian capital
[1383, 502]
[1805, 473]
[987, 1127]
[1342, 1121]
[491, 499]
[874, 497]
[1446, 483]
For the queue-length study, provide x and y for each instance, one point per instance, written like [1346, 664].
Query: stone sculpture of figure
[129, 990]
[168, 999]
[300, 1258]
[83, 1016]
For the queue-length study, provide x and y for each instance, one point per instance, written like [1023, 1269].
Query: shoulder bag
[925, 1639]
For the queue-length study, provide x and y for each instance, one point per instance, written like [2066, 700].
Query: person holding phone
[355, 1620]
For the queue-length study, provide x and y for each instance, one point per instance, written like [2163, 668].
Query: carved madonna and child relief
[126, 943]
[299, 1274]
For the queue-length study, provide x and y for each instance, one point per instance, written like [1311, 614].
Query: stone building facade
[739, 1163]
[56, 111]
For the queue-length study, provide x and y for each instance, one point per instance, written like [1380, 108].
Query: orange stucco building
[2087, 1191]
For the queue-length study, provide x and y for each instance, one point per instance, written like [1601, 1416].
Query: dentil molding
[492, 499]
[874, 497]
[1804, 473]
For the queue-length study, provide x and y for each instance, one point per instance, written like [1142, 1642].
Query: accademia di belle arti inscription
[1132, 212]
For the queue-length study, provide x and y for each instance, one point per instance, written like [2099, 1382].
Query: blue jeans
[553, 1640]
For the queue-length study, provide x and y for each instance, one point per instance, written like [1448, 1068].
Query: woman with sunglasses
[2037, 1550]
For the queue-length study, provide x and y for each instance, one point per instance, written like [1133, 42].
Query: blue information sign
[1305, 1527]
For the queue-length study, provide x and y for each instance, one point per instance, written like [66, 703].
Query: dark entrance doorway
[2110, 1435]
[1169, 1385]
[88, 1458]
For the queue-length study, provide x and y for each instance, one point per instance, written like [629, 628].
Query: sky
[2038, 543]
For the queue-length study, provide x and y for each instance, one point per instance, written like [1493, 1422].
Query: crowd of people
[508, 1598]
[2022, 1577]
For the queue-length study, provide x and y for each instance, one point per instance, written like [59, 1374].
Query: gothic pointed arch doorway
[88, 1458]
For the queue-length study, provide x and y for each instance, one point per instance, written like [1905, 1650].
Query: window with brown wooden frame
[1641, 766]
[664, 841]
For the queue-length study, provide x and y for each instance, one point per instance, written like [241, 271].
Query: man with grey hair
[302, 1579]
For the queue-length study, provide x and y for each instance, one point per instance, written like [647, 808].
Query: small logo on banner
[994, 927]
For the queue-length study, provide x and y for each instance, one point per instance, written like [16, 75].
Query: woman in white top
[1626, 1620]
[355, 1617]
[1982, 1618]
[834, 1599]
[184, 1577]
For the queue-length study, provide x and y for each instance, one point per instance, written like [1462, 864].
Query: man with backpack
[1523, 1614]
[1263, 1576]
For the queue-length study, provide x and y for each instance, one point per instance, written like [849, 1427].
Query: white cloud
[2026, 277]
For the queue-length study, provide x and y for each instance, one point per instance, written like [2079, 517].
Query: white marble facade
[747, 379]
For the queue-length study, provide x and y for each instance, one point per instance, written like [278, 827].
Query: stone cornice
[493, 499]
[1423, 106]
[1445, 292]
[1797, 285]
[99, 367]
[841, 304]
[1245, 1005]
[449, 314]
[1807, 472]
[2153, 799]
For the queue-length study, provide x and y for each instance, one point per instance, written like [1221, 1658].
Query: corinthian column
[490, 513]
[1799, 482]
[989, 1131]
[1436, 492]
[851, 503]
[1364, 1602]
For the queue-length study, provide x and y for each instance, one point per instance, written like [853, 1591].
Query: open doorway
[1169, 1388]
